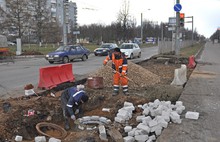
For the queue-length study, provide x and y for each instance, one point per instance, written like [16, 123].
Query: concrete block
[162, 123]
[157, 102]
[140, 132]
[152, 137]
[129, 108]
[54, 140]
[192, 115]
[129, 139]
[119, 120]
[132, 132]
[152, 112]
[174, 115]
[143, 127]
[152, 123]
[127, 128]
[145, 106]
[139, 118]
[157, 127]
[102, 132]
[146, 120]
[179, 103]
[140, 106]
[40, 139]
[18, 138]
[95, 118]
[123, 114]
[158, 110]
[158, 132]
[146, 111]
[141, 138]
[128, 104]
[103, 119]
[86, 118]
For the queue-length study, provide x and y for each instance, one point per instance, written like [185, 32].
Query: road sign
[76, 32]
[177, 7]
[172, 21]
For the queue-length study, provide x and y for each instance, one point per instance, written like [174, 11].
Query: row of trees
[31, 21]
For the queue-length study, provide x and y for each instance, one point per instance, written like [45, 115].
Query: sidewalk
[201, 94]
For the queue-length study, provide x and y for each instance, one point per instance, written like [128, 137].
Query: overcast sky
[206, 13]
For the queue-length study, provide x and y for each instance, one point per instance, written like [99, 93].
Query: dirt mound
[137, 76]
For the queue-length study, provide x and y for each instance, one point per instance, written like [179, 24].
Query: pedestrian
[71, 102]
[120, 69]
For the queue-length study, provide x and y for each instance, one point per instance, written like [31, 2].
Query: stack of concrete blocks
[155, 117]
[125, 113]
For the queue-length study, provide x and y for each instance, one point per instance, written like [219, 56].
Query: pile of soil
[153, 75]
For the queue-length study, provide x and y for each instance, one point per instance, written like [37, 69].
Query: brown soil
[14, 120]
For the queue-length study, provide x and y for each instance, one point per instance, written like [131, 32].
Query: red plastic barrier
[45, 81]
[52, 76]
[68, 71]
[192, 62]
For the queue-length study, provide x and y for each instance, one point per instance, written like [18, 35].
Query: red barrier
[52, 76]
[68, 71]
[192, 62]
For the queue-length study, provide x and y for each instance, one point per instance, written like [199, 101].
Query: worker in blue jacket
[71, 101]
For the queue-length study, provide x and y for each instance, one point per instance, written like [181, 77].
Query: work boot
[126, 93]
[114, 93]
[67, 125]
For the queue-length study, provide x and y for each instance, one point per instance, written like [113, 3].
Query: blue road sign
[177, 7]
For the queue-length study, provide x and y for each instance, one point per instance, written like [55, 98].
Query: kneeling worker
[71, 101]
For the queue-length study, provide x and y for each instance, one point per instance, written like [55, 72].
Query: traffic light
[182, 16]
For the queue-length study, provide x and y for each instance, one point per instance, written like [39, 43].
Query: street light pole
[141, 28]
[64, 23]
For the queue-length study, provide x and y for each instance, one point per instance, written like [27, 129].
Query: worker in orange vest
[120, 69]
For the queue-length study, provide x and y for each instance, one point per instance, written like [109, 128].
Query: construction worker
[71, 101]
[120, 68]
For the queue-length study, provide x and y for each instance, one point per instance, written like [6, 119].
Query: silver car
[131, 50]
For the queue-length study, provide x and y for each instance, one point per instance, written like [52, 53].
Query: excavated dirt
[148, 80]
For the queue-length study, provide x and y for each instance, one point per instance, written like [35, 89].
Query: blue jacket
[74, 99]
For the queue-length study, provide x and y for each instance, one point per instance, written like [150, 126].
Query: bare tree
[124, 20]
[16, 16]
[42, 20]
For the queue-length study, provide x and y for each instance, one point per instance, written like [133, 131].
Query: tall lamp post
[142, 27]
[65, 2]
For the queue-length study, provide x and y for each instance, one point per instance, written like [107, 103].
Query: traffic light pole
[177, 38]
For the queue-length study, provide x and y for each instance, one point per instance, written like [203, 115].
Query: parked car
[11, 43]
[105, 49]
[131, 50]
[68, 53]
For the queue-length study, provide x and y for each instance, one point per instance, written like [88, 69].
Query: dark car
[104, 49]
[68, 53]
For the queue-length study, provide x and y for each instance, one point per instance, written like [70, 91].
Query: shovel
[123, 76]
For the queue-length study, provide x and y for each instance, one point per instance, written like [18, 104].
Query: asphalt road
[14, 76]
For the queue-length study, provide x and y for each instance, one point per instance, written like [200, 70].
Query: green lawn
[191, 50]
